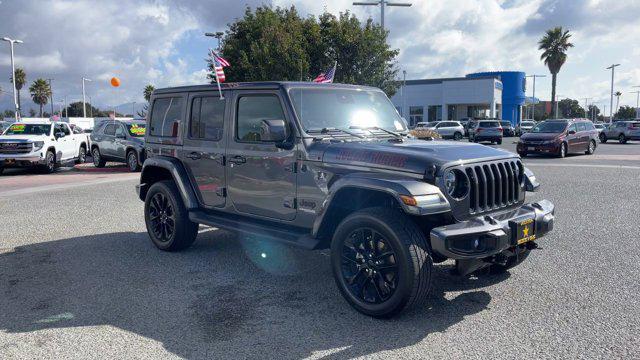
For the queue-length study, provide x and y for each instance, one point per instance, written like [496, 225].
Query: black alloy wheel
[162, 217]
[457, 136]
[622, 139]
[369, 266]
[132, 161]
[603, 138]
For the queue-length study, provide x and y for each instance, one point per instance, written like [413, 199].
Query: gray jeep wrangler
[333, 166]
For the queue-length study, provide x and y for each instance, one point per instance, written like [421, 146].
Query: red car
[559, 137]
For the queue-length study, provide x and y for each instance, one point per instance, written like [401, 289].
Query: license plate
[525, 231]
[531, 148]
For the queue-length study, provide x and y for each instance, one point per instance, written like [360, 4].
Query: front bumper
[491, 234]
[20, 160]
[538, 148]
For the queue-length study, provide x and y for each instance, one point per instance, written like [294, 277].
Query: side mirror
[59, 134]
[273, 131]
[571, 132]
[530, 181]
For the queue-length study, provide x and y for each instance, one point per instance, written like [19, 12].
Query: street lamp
[533, 115]
[612, 67]
[13, 72]
[51, 97]
[84, 99]
[637, 101]
[218, 35]
[558, 101]
[382, 4]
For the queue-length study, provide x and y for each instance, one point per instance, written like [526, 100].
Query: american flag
[327, 76]
[218, 64]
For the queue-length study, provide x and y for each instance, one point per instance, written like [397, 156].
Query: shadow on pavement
[222, 298]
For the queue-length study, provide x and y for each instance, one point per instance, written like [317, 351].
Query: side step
[257, 228]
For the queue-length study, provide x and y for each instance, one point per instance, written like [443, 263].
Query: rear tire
[522, 154]
[98, 161]
[167, 219]
[132, 161]
[381, 262]
[592, 147]
[603, 138]
[622, 139]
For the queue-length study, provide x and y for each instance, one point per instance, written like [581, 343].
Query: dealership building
[480, 95]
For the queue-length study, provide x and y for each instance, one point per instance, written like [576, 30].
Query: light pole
[533, 115]
[218, 35]
[51, 98]
[133, 110]
[84, 99]
[404, 84]
[13, 72]
[382, 4]
[637, 101]
[612, 67]
[586, 107]
[558, 101]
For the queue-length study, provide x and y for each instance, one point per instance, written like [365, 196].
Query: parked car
[486, 130]
[507, 128]
[4, 125]
[524, 127]
[621, 130]
[559, 137]
[599, 127]
[449, 129]
[470, 124]
[289, 162]
[119, 141]
[426, 125]
[42, 144]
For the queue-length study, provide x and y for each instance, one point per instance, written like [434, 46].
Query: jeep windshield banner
[137, 130]
[28, 129]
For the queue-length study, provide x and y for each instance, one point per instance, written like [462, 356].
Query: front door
[261, 177]
[203, 151]
[66, 144]
[573, 140]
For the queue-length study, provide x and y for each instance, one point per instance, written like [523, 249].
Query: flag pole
[213, 59]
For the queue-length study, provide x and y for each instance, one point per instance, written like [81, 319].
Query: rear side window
[207, 118]
[635, 125]
[590, 126]
[251, 111]
[165, 117]
[110, 129]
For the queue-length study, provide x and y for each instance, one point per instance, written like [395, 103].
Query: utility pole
[218, 35]
[404, 84]
[84, 99]
[586, 108]
[637, 101]
[612, 67]
[13, 72]
[382, 4]
[558, 101]
[51, 98]
[533, 115]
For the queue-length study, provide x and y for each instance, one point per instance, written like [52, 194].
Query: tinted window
[489, 124]
[63, 128]
[505, 123]
[119, 131]
[590, 126]
[251, 111]
[635, 125]
[573, 128]
[165, 117]
[110, 129]
[207, 118]
[581, 127]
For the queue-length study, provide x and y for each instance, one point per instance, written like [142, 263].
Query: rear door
[108, 137]
[204, 147]
[119, 142]
[261, 178]
[583, 135]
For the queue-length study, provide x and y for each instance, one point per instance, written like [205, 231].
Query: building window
[415, 115]
[435, 113]
[451, 112]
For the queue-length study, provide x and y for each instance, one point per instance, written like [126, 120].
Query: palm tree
[555, 44]
[617, 94]
[21, 79]
[40, 92]
[148, 90]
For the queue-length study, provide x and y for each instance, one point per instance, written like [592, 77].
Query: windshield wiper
[329, 130]
[395, 134]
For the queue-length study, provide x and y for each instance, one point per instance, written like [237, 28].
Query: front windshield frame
[305, 130]
[535, 129]
[47, 128]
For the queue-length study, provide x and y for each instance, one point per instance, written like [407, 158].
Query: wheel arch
[165, 168]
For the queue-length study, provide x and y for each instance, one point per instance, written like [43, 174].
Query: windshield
[527, 123]
[28, 129]
[550, 127]
[489, 124]
[319, 108]
[137, 130]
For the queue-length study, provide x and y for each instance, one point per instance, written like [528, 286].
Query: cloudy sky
[161, 42]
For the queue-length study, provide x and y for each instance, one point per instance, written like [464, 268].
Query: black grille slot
[15, 148]
[493, 185]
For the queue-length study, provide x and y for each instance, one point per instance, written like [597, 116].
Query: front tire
[622, 139]
[167, 219]
[82, 155]
[98, 161]
[592, 147]
[381, 262]
[457, 136]
[132, 161]
[49, 163]
[563, 150]
[499, 142]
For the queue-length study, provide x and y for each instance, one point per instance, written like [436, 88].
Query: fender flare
[178, 173]
[394, 186]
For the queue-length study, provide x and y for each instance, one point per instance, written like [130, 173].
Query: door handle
[238, 160]
[194, 156]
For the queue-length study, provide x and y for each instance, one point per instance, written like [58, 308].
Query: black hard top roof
[261, 85]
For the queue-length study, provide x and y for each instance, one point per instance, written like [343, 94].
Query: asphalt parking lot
[79, 278]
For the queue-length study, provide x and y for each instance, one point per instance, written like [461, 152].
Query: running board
[258, 228]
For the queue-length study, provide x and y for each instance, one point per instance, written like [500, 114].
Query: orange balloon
[115, 82]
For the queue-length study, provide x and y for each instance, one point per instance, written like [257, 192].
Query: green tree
[554, 44]
[626, 112]
[570, 109]
[75, 110]
[593, 111]
[32, 113]
[279, 44]
[21, 80]
[147, 92]
[40, 92]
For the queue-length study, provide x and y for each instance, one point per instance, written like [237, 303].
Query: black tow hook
[532, 245]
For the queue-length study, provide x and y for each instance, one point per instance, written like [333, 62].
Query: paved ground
[80, 279]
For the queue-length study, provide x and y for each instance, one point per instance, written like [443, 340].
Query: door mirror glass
[59, 134]
[571, 132]
[273, 130]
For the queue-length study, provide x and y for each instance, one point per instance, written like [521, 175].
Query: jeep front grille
[15, 148]
[494, 185]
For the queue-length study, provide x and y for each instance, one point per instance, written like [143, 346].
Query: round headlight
[456, 184]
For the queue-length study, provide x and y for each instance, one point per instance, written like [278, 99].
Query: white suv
[44, 144]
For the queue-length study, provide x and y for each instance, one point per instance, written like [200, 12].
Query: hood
[539, 136]
[408, 156]
[21, 138]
